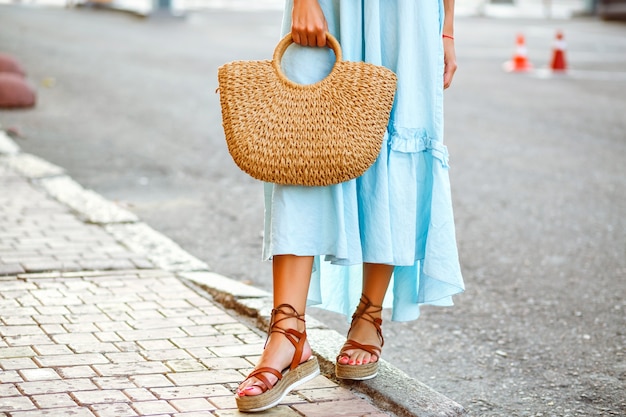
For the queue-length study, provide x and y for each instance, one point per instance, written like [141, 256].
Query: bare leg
[376, 279]
[292, 275]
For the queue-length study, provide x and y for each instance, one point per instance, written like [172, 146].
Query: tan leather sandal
[369, 370]
[296, 374]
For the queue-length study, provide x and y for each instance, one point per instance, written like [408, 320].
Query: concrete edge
[397, 392]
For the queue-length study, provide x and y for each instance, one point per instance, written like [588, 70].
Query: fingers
[448, 75]
[309, 37]
[308, 24]
[449, 60]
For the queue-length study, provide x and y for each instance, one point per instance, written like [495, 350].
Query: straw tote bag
[317, 134]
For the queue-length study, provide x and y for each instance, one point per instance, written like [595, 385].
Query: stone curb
[397, 392]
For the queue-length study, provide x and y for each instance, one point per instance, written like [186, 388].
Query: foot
[364, 330]
[278, 354]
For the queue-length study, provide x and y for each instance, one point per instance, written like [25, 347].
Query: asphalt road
[128, 107]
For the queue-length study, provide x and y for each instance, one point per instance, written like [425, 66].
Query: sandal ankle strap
[364, 314]
[296, 337]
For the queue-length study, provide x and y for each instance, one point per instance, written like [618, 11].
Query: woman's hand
[308, 24]
[449, 61]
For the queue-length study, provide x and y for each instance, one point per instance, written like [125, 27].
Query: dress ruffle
[410, 140]
[399, 212]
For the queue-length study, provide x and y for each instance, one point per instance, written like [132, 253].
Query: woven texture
[319, 134]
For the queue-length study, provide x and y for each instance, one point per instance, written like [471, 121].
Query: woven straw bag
[318, 134]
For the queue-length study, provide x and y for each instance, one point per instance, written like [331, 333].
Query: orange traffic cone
[558, 57]
[520, 62]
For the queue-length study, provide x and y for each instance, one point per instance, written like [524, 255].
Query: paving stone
[193, 414]
[56, 412]
[354, 407]
[130, 369]
[20, 330]
[116, 382]
[53, 400]
[49, 349]
[233, 328]
[204, 330]
[200, 341]
[53, 319]
[85, 323]
[212, 390]
[200, 352]
[156, 344]
[41, 374]
[113, 326]
[17, 352]
[151, 334]
[165, 354]
[145, 305]
[159, 323]
[139, 394]
[8, 390]
[151, 381]
[153, 407]
[74, 359]
[51, 387]
[84, 309]
[124, 357]
[279, 411]
[27, 340]
[127, 346]
[82, 371]
[185, 365]
[318, 382]
[192, 404]
[98, 347]
[326, 394]
[241, 350]
[17, 364]
[51, 329]
[52, 310]
[226, 363]
[107, 336]
[75, 338]
[113, 410]
[100, 396]
[13, 404]
[205, 377]
[10, 376]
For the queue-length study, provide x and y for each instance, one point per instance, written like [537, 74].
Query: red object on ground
[11, 65]
[558, 57]
[520, 58]
[15, 92]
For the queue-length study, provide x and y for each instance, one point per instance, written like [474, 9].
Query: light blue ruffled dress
[399, 212]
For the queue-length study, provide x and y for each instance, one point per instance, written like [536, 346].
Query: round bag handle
[285, 42]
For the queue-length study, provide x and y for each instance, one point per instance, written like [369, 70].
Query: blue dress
[399, 212]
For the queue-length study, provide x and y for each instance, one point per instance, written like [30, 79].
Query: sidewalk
[101, 316]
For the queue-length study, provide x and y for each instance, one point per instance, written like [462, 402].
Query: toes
[251, 391]
[248, 387]
[356, 357]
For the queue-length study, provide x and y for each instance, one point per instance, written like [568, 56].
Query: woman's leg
[376, 279]
[292, 275]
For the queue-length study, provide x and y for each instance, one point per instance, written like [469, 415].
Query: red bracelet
[448, 36]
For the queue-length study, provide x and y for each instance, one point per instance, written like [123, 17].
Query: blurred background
[126, 103]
